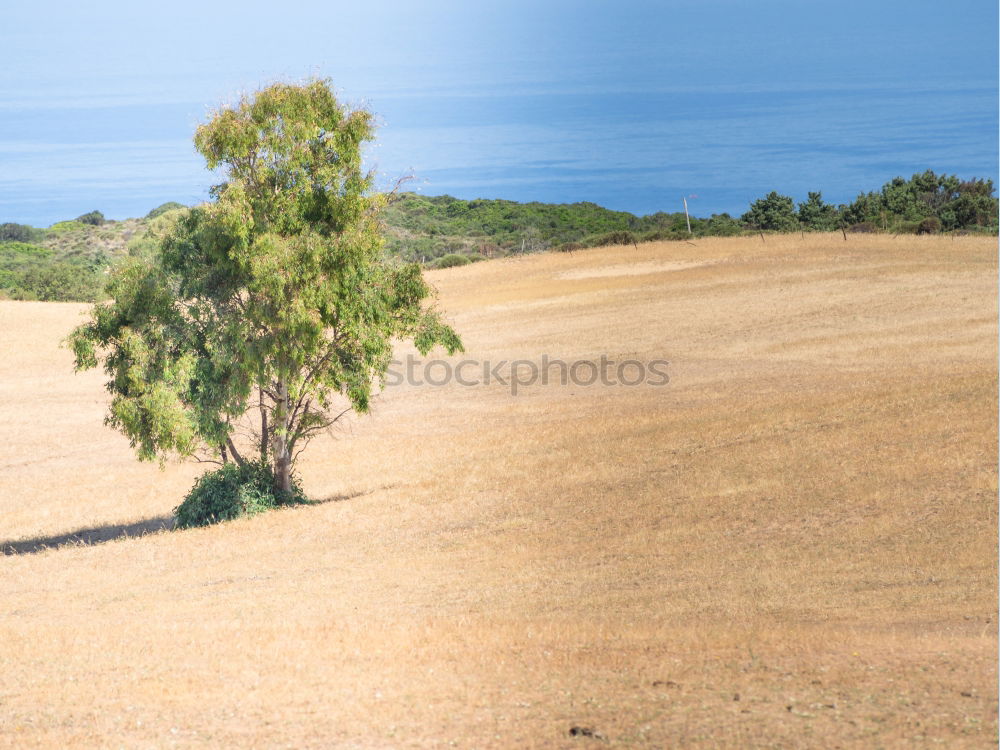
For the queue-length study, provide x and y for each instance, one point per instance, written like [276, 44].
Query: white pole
[686, 215]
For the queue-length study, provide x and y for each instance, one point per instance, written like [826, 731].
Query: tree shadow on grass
[113, 532]
[340, 498]
[88, 537]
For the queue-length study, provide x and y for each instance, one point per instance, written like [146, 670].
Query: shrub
[863, 227]
[67, 226]
[722, 225]
[163, 208]
[231, 492]
[31, 272]
[11, 232]
[96, 218]
[906, 227]
[930, 225]
[60, 281]
[620, 237]
[451, 260]
[22, 250]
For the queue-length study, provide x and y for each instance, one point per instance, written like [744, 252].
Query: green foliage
[275, 298]
[775, 212]
[30, 272]
[429, 227]
[721, 225]
[10, 251]
[956, 204]
[59, 282]
[451, 260]
[974, 207]
[231, 492]
[95, 218]
[866, 209]
[146, 243]
[16, 258]
[164, 208]
[11, 232]
[67, 226]
[819, 216]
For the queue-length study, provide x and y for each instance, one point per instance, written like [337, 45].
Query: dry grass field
[791, 544]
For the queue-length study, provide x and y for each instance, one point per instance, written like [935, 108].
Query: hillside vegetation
[443, 231]
[792, 543]
[65, 262]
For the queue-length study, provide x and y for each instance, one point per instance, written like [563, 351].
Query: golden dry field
[793, 543]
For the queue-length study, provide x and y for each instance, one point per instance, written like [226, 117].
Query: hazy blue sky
[626, 103]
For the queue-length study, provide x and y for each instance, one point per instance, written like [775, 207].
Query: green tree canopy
[817, 215]
[957, 204]
[773, 212]
[96, 218]
[269, 310]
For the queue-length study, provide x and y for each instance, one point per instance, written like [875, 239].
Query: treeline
[927, 203]
[69, 260]
[424, 228]
[429, 229]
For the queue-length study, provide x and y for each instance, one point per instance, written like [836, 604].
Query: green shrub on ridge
[231, 492]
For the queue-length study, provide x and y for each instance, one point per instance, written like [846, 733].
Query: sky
[630, 104]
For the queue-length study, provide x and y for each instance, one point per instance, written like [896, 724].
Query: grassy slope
[804, 519]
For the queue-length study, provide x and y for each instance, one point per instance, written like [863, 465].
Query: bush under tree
[231, 492]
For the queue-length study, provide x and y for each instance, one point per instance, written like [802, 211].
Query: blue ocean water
[640, 150]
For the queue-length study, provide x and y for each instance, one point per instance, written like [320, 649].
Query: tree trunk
[265, 439]
[282, 450]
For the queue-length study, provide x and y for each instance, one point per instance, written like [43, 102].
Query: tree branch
[236, 453]
[208, 461]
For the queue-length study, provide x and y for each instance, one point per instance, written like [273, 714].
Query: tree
[96, 218]
[867, 208]
[773, 212]
[267, 307]
[975, 206]
[815, 214]
[955, 203]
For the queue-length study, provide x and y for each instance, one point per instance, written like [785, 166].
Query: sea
[639, 149]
